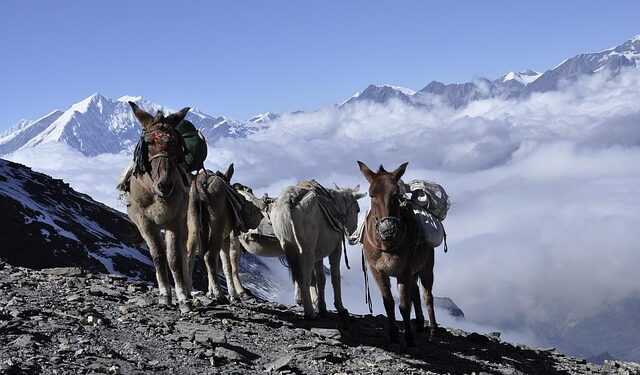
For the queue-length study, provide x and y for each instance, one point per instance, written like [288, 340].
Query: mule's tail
[284, 227]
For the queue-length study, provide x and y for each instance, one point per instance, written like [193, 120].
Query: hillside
[65, 320]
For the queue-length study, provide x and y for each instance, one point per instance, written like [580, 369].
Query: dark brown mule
[159, 200]
[217, 221]
[391, 247]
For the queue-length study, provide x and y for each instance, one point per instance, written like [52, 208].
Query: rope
[446, 248]
[367, 291]
[346, 258]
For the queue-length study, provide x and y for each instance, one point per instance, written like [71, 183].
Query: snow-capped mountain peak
[98, 124]
[524, 77]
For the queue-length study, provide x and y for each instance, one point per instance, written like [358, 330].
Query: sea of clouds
[545, 189]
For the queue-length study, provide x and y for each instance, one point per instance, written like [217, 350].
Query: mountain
[381, 94]
[510, 85]
[98, 125]
[45, 223]
[612, 59]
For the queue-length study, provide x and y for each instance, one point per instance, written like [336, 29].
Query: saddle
[327, 204]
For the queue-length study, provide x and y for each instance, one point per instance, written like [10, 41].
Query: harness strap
[344, 247]
[446, 248]
[367, 291]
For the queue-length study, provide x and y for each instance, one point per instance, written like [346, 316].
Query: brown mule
[159, 201]
[392, 248]
[216, 221]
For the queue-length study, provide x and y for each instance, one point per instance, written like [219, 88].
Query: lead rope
[446, 248]
[344, 247]
[367, 292]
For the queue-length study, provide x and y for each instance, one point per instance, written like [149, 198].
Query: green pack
[196, 144]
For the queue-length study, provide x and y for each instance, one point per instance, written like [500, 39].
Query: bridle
[161, 134]
[387, 227]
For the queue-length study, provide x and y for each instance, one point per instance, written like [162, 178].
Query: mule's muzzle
[388, 229]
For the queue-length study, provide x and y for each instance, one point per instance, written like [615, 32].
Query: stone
[64, 271]
[329, 333]
[23, 341]
[279, 363]
[202, 334]
[229, 355]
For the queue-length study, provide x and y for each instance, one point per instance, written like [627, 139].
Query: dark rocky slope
[70, 322]
[45, 223]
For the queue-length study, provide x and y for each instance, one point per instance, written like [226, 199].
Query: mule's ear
[356, 189]
[175, 118]
[229, 173]
[366, 172]
[400, 170]
[359, 195]
[145, 118]
[336, 186]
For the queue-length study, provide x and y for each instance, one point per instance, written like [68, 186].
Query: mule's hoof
[185, 307]
[164, 300]
[420, 326]
[246, 297]
[323, 313]
[220, 300]
[343, 314]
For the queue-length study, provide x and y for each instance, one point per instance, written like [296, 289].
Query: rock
[329, 333]
[64, 271]
[202, 334]
[279, 363]
[98, 290]
[23, 341]
[229, 354]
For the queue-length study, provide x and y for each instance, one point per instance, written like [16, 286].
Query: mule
[307, 237]
[259, 245]
[392, 249]
[159, 200]
[217, 221]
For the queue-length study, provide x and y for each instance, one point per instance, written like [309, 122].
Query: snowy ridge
[525, 77]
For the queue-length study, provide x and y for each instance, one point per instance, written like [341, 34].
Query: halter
[380, 233]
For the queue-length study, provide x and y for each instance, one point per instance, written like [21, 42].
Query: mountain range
[99, 124]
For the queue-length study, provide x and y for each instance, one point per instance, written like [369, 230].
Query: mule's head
[351, 207]
[385, 201]
[164, 146]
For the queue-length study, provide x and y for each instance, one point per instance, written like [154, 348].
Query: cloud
[545, 189]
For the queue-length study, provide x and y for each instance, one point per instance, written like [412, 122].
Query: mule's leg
[190, 261]
[211, 261]
[235, 251]
[176, 257]
[405, 290]
[306, 270]
[158, 255]
[321, 281]
[313, 289]
[417, 306]
[226, 268]
[384, 284]
[426, 278]
[334, 264]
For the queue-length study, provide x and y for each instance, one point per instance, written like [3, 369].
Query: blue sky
[239, 58]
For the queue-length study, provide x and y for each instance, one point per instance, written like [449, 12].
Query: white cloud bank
[543, 230]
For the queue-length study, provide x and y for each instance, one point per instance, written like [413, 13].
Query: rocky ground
[65, 321]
